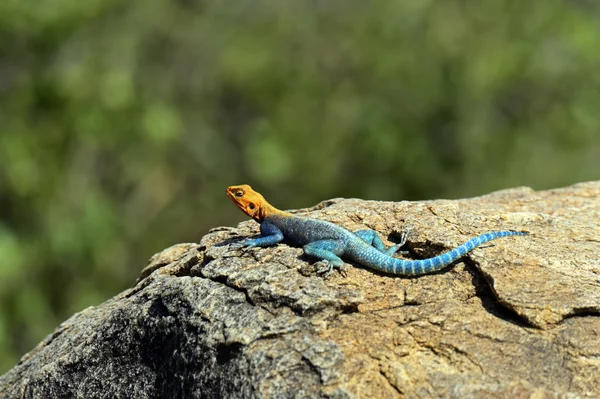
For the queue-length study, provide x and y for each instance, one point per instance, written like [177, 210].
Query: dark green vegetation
[122, 122]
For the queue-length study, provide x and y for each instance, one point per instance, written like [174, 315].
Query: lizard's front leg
[270, 235]
[328, 250]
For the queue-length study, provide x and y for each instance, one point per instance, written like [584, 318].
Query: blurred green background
[122, 122]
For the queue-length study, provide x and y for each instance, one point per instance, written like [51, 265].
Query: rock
[516, 318]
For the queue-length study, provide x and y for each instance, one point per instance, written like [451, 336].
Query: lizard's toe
[323, 267]
[326, 268]
[237, 245]
[243, 245]
[403, 236]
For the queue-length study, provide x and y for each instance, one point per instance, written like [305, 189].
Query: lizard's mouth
[236, 200]
[230, 195]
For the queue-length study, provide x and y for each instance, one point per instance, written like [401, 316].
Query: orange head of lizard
[249, 201]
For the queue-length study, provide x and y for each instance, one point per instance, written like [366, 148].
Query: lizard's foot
[326, 267]
[237, 245]
[396, 248]
[243, 245]
[403, 237]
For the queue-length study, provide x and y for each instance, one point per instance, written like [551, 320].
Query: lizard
[329, 242]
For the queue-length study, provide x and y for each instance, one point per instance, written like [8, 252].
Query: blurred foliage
[122, 122]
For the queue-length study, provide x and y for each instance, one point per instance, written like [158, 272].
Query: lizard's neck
[267, 210]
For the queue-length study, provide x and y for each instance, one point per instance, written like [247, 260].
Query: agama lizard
[328, 241]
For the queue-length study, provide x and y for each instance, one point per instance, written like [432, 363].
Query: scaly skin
[329, 242]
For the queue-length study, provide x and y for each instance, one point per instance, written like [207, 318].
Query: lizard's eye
[251, 205]
[239, 194]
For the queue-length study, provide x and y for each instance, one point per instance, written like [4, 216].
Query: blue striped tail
[422, 266]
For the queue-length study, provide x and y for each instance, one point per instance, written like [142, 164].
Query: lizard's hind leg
[329, 252]
[372, 238]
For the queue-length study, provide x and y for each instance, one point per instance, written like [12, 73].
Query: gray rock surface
[517, 318]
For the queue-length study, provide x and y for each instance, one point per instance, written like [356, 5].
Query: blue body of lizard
[329, 242]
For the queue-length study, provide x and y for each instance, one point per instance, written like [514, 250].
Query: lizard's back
[300, 231]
